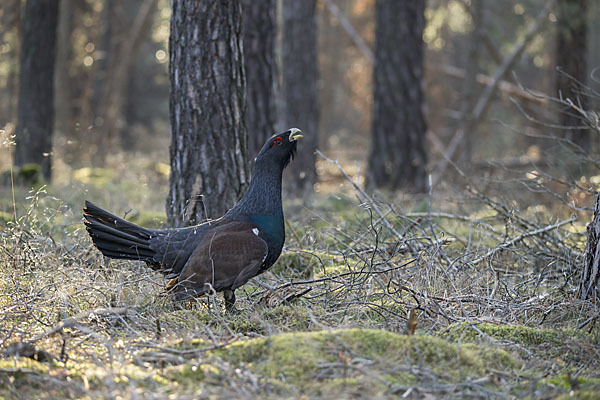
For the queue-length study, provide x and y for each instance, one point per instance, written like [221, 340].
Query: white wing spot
[255, 231]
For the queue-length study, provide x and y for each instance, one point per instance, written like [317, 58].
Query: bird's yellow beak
[295, 134]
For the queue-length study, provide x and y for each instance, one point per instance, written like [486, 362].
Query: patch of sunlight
[459, 19]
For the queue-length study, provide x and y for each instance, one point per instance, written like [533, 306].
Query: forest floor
[489, 285]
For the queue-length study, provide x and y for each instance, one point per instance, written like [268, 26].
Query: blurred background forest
[112, 85]
[457, 174]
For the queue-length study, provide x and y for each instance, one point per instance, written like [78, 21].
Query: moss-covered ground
[330, 320]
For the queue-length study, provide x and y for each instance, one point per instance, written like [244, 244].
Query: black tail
[115, 237]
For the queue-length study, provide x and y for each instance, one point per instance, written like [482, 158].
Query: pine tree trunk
[299, 85]
[397, 158]
[260, 33]
[207, 107]
[469, 86]
[14, 20]
[588, 287]
[36, 89]
[65, 119]
[571, 58]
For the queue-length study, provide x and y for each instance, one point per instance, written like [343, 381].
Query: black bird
[224, 253]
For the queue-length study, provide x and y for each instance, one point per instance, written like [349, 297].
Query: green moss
[333, 265]
[564, 381]
[518, 334]
[579, 395]
[16, 372]
[186, 375]
[17, 365]
[190, 344]
[263, 319]
[294, 264]
[299, 358]
[96, 375]
[570, 382]
[306, 264]
[29, 175]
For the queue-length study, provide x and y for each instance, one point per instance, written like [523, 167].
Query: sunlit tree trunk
[260, 34]
[299, 84]
[207, 107]
[36, 85]
[398, 158]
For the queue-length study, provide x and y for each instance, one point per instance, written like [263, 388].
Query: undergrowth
[493, 292]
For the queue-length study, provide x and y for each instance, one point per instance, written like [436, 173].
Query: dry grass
[503, 280]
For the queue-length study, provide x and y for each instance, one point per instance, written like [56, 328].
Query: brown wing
[226, 258]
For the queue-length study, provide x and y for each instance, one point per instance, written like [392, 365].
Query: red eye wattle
[277, 141]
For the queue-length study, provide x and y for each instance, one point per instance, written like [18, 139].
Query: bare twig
[73, 321]
[505, 87]
[486, 96]
[363, 194]
[525, 235]
[352, 33]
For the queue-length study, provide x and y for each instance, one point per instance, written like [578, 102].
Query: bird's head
[280, 148]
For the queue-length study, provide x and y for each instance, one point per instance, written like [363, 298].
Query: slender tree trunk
[208, 105]
[469, 88]
[15, 21]
[260, 33]
[36, 88]
[590, 283]
[398, 157]
[299, 84]
[122, 58]
[571, 59]
[65, 119]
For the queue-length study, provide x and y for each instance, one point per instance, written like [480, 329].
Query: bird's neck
[263, 196]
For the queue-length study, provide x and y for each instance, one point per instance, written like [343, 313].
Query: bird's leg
[229, 296]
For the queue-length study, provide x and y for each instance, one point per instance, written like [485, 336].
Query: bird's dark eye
[277, 141]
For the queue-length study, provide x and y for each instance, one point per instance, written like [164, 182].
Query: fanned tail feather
[116, 237]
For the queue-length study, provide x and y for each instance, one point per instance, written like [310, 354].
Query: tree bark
[398, 158]
[299, 85]
[36, 89]
[589, 285]
[260, 33]
[207, 107]
[571, 59]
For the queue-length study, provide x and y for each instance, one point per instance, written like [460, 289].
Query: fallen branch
[504, 86]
